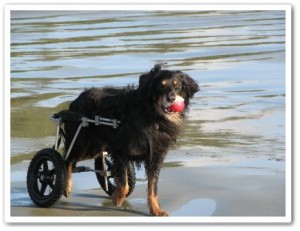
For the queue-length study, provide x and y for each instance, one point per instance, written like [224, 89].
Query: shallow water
[205, 207]
[238, 59]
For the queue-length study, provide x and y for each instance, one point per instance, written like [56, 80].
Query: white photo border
[138, 220]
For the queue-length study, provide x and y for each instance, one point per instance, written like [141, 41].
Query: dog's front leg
[122, 187]
[153, 201]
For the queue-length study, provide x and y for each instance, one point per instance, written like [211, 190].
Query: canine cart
[47, 169]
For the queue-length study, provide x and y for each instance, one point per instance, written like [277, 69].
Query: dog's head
[163, 87]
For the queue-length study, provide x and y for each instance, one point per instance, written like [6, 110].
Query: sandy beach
[201, 187]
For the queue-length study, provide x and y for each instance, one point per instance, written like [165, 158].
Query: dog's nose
[171, 98]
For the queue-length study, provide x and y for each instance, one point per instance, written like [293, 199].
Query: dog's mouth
[174, 107]
[166, 106]
[167, 110]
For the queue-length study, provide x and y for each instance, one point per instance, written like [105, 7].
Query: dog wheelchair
[47, 169]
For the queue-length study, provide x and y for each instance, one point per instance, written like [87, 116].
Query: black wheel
[110, 180]
[46, 177]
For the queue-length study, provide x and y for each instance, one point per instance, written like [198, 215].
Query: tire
[110, 180]
[46, 177]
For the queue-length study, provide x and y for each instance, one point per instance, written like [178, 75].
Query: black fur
[146, 131]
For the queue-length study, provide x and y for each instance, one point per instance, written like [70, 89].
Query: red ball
[177, 106]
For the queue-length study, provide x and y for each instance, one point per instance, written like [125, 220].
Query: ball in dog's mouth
[177, 106]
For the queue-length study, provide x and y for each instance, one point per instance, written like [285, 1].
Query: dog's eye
[177, 84]
[163, 83]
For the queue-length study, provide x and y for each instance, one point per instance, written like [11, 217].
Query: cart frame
[85, 121]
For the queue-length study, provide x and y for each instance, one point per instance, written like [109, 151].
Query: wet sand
[202, 187]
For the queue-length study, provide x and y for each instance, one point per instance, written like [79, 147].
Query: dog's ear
[156, 69]
[189, 86]
[146, 80]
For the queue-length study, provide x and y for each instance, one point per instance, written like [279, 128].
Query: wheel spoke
[45, 166]
[51, 184]
[51, 172]
[43, 188]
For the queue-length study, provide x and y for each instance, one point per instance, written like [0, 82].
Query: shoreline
[240, 187]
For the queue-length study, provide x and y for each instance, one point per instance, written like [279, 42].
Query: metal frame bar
[73, 141]
[105, 154]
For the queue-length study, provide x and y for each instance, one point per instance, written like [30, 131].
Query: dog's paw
[117, 200]
[67, 192]
[159, 213]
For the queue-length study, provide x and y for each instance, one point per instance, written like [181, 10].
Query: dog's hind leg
[68, 181]
[122, 187]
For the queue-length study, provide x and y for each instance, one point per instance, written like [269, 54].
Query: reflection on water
[236, 56]
[197, 207]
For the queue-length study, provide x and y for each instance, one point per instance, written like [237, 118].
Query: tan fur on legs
[121, 192]
[69, 183]
[153, 201]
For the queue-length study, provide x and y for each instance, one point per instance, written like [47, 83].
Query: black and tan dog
[147, 130]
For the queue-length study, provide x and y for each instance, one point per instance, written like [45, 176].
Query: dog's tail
[67, 115]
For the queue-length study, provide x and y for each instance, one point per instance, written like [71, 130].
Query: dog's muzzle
[172, 103]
